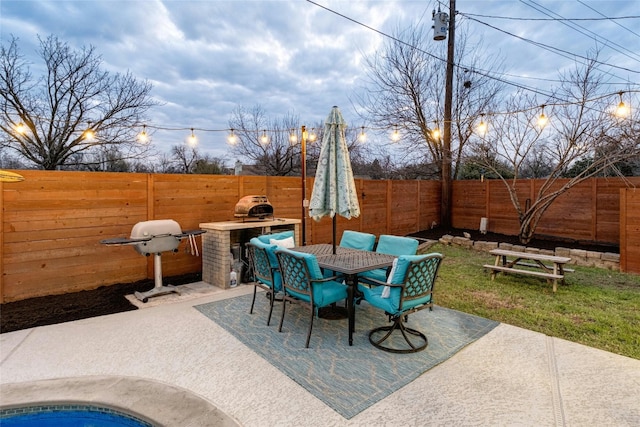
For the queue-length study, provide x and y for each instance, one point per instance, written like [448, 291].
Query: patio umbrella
[334, 191]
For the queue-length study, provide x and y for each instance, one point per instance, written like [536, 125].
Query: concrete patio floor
[170, 363]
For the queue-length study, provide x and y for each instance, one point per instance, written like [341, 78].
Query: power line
[513, 18]
[558, 51]
[609, 18]
[486, 73]
[594, 36]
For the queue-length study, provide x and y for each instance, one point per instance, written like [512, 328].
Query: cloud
[207, 57]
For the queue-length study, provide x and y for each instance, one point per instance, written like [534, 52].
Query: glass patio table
[349, 262]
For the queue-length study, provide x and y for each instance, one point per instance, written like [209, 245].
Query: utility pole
[445, 207]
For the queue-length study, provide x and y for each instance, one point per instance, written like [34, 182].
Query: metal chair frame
[418, 283]
[263, 273]
[296, 277]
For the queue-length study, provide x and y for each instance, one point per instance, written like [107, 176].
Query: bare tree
[405, 89]
[45, 119]
[266, 141]
[581, 124]
[185, 158]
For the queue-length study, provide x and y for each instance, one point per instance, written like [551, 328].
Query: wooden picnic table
[552, 266]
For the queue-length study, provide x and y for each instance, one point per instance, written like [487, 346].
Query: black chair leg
[271, 303]
[284, 305]
[310, 327]
[253, 301]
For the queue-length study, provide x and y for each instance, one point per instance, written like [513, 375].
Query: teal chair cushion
[391, 245]
[358, 240]
[397, 245]
[324, 293]
[265, 238]
[392, 304]
[273, 261]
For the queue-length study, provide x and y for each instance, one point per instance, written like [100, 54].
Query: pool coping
[152, 401]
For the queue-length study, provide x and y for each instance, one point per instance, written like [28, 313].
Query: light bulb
[622, 110]
[192, 139]
[482, 128]
[293, 138]
[542, 120]
[395, 136]
[21, 128]
[232, 139]
[264, 138]
[143, 137]
[88, 134]
[312, 135]
[363, 136]
[435, 133]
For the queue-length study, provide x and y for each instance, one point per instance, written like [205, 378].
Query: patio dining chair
[357, 240]
[391, 245]
[354, 240]
[266, 272]
[303, 283]
[408, 289]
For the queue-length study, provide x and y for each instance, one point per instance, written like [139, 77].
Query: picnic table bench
[552, 267]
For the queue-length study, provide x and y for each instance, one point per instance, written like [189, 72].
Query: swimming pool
[68, 416]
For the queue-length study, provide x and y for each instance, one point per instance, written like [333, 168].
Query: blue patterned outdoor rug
[348, 379]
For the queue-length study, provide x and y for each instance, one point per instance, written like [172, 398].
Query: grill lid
[163, 233]
[253, 207]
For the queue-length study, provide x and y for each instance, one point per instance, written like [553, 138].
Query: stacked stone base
[608, 260]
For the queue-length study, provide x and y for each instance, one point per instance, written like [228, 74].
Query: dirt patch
[539, 242]
[491, 300]
[52, 309]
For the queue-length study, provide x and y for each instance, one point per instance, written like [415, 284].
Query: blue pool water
[68, 416]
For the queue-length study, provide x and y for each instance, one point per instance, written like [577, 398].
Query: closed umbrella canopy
[334, 191]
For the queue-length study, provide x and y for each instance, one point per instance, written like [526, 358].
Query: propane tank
[440, 25]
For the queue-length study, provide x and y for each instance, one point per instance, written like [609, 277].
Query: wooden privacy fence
[590, 211]
[53, 221]
[630, 230]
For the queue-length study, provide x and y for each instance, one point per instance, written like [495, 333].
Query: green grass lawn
[596, 307]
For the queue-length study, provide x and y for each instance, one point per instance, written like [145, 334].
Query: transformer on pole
[440, 25]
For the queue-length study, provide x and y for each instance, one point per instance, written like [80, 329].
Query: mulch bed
[111, 299]
[52, 309]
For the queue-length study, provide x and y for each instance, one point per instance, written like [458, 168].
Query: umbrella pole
[334, 234]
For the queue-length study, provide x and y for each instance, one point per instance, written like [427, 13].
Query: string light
[482, 127]
[264, 138]
[21, 128]
[143, 137]
[88, 134]
[232, 139]
[395, 136]
[435, 133]
[192, 139]
[542, 120]
[312, 135]
[622, 110]
[363, 136]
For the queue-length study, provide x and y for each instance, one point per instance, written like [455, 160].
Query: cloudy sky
[207, 57]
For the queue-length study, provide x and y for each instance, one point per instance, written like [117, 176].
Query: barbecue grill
[253, 207]
[152, 238]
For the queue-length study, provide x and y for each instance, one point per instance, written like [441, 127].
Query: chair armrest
[379, 282]
[325, 279]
